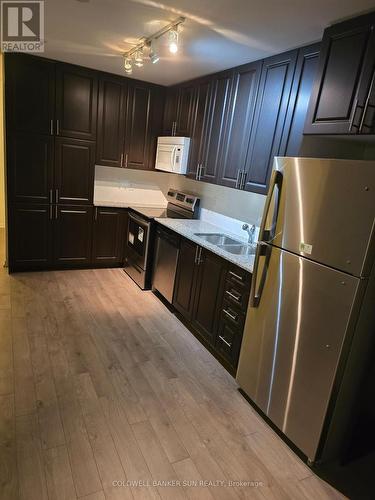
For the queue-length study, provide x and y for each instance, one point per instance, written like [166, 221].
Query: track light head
[128, 65]
[173, 40]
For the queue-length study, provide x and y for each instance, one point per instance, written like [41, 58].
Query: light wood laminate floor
[104, 394]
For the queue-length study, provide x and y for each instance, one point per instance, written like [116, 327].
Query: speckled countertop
[187, 228]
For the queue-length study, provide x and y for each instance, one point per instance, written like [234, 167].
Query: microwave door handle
[173, 158]
[276, 181]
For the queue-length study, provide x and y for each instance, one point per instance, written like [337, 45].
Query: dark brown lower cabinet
[211, 270]
[108, 236]
[29, 237]
[212, 296]
[72, 235]
[183, 299]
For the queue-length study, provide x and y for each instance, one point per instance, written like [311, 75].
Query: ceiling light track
[135, 56]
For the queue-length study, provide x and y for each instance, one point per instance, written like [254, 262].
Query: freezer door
[292, 342]
[327, 211]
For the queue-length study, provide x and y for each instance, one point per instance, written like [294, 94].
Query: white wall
[149, 186]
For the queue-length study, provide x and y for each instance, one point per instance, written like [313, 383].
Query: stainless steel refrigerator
[310, 323]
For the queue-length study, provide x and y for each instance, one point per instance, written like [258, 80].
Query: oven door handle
[141, 222]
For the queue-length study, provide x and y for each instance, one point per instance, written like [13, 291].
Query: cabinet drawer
[239, 277]
[228, 342]
[232, 315]
[236, 295]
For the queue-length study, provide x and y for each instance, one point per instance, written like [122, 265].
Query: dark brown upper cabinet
[143, 125]
[241, 113]
[198, 128]
[76, 102]
[108, 236]
[220, 93]
[74, 171]
[306, 69]
[340, 98]
[30, 168]
[30, 94]
[72, 235]
[111, 121]
[179, 110]
[270, 113]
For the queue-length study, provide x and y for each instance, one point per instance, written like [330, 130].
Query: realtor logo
[22, 26]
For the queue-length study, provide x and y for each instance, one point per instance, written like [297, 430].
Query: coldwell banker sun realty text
[22, 26]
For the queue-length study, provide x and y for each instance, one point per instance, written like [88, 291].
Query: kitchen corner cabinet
[179, 110]
[108, 236]
[212, 296]
[269, 118]
[341, 100]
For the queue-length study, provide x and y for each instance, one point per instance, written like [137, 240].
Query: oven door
[137, 239]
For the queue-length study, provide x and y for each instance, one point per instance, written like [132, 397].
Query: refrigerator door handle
[276, 181]
[263, 250]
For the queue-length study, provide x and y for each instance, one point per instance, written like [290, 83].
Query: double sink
[227, 243]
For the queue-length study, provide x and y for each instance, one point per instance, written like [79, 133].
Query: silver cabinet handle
[230, 315]
[56, 212]
[122, 159]
[199, 261]
[225, 342]
[238, 277]
[96, 213]
[50, 196]
[196, 254]
[236, 298]
[57, 195]
[50, 212]
[57, 127]
[243, 180]
[51, 127]
[126, 160]
[238, 178]
[201, 171]
[197, 172]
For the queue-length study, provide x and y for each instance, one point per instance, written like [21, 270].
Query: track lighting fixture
[135, 56]
[173, 40]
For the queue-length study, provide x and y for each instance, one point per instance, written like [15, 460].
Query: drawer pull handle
[225, 342]
[236, 276]
[237, 298]
[231, 316]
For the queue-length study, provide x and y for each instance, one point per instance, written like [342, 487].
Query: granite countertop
[187, 228]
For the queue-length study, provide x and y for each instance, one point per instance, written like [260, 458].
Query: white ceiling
[217, 34]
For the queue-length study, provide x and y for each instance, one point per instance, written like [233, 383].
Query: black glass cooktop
[157, 213]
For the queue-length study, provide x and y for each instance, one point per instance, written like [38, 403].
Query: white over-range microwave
[172, 154]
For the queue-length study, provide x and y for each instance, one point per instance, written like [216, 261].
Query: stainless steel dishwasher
[167, 247]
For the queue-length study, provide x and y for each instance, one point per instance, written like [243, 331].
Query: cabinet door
[228, 342]
[108, 236]
[200, 119]
[345, 65]
[72, 235]
[74, 171]
[30, 168]
[218, 111]
[236, 142]
[30, 94]
[29, 237]
[270, 112]
[76, 102]
[185, 111]
[303, 81]
[170, 111]
[183, 299]
[111, 122]
[210, 282]
[137, 143]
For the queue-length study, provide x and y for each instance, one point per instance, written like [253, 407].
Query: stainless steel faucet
[250, 231]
